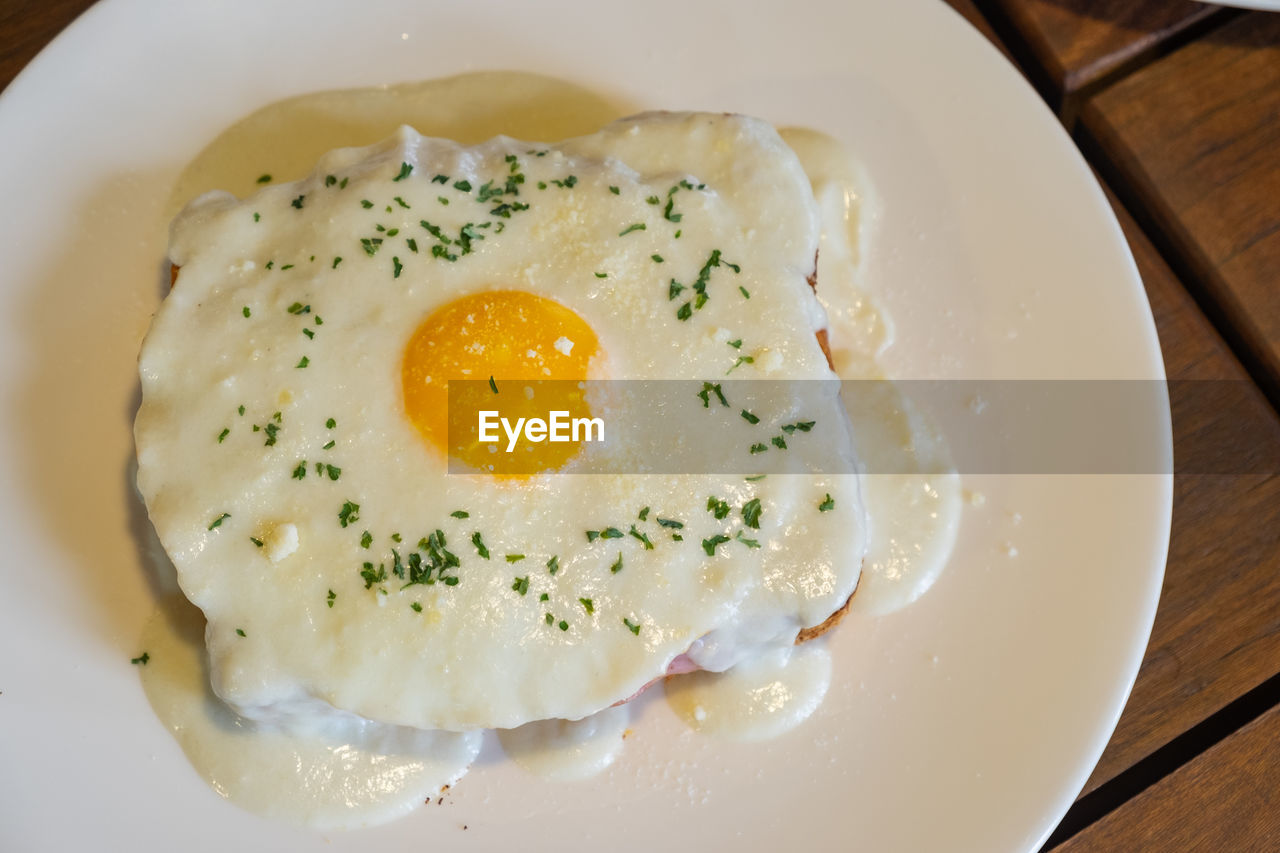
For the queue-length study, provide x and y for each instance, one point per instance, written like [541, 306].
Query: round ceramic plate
[968, 721]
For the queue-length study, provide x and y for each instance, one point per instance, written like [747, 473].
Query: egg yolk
[537, 352]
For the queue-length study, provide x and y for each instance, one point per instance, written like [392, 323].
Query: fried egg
[295, 440]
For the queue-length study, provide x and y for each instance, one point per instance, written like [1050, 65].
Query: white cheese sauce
[568, 749]
[338, 773]
[758, 699]
[361, 773]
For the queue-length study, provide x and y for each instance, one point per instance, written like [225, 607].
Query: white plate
[967, 722]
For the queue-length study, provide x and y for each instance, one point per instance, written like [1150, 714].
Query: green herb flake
[637, 226]
[256, 541]
[751, 513]
[750, 543]
[460, 513]
[549, 619]
[564, 626]
[310, 334]
[257, 217]
[758, 448]
[405, 171]
[553, 565]
[217, 522]
[521, 585]
[365, 203]
[397, 267]
[709, 388]
[328, 445]
[417, 608]
[657, 259]
[745, 293]
[301, 471]
[514, 558]
[588, 605]
[802, 426]
[366, 539]
[264, 179]
[332, 597]
[462, 186]
[710, 545]
[828, 504]
[493, 385]
[617, 564]
[297, 202]
[644, 514]
[401, 202]
[333, 471]
[602, 275]
[349, 514]
[671, 523]
[749, 418]
[779, 442]
[636, 534]
[245, 311]
[615, 190]
[336, 260]
[478, 541]
[611, 533]
[744, 359]
[330, 180]
[717, 507]
[241, 410]
[240, 632]
[755, 479]
[303, 362]
[633, 627]
[222, 435]
[141, 660]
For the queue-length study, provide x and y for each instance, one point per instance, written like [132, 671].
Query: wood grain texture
[1226, 799]
[970, 12]
[1217, 630]
[1195, 137]
[28, 27]
[1079, 42]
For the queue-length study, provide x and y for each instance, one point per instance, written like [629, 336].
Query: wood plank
[1194, 139]
[28, 27]
[1217, 630]
[1077, 43]
[1225, 799]
[970, 12]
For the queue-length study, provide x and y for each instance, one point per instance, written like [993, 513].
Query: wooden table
[1177, 106]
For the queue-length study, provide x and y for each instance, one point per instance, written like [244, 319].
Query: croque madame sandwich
[293, 439]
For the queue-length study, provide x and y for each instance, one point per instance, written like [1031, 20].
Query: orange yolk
[537, 352]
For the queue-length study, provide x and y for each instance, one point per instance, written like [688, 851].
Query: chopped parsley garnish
[564, 626]
[521, 585]
[550, 619]
[671, 523]
[745, 293]
[331, 598]
[246, 311]
[397, 267]
[365, 203]
[301, 470]
[370, 245]
[349, 514]
[460, 513]
[633, 627]
[568, 183]
[636, 226]
[366, 539]
[803, 426]
[287, 267]
[587, 605]
[742, 359]
[615, 190]
[401, 202]
[328, 445]
[717, 507]
[336, 260]
[270, 264]
[303, 362]
[749, 418]
[657, 259]
[417, 608]
[330, 180]
[756, 478]
[553, 565]
[440, 199]
[240, 632]
[617, 564]
[371, 575]
[141, 660]
[297, 202]
[264, 179]
[751, 513]
[514, 558]
[478, 541]
[330, 423]
[607, 533]
[299, 308]
[750, 543]
[405, 171]
[544, 597]
[827, 504]
[493, 385]
[709, 388]
[710, 545]
[653, 199]
[256, 216]
[412, 244]
[463, 186]
[222, 435]
[342, 184]
[308, 333]
[333, 471]
[779, 442]
[602, 275]
[241, 410]
[644, 514]
[217, 522]
[256, 541]
[759, 448]
[440, 179]
[735, 344]
[648, 546]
